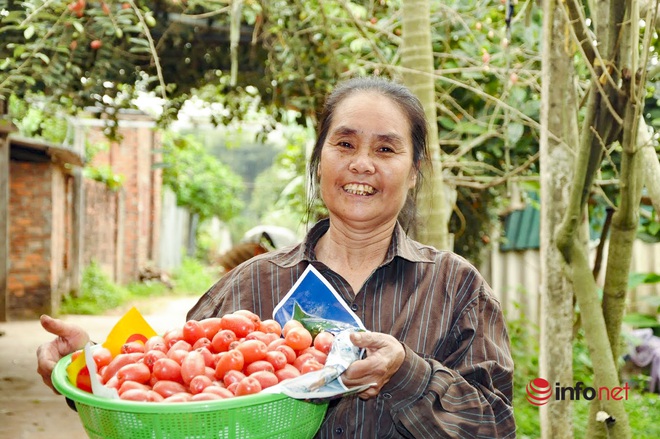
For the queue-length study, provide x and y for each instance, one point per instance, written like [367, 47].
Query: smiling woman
[436, 348]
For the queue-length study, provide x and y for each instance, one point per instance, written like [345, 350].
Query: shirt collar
[400, 246]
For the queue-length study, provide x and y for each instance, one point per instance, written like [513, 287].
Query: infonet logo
[539, 392]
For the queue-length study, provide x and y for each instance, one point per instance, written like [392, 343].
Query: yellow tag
[131, 327]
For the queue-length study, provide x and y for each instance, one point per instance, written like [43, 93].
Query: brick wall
[100, 228]
[126, 222]
[31, 227]
[121, 228]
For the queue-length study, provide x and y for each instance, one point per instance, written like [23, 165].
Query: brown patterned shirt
[456, 379]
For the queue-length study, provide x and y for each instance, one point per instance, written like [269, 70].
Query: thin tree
[558, 131]
[417, 63]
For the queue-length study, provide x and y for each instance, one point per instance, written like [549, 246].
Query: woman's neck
[354, 253]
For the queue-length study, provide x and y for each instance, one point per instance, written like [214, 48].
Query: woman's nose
[362, 163]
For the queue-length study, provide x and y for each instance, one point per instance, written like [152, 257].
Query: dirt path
[30, 410]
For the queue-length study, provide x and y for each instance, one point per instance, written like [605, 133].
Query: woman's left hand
[385, 354]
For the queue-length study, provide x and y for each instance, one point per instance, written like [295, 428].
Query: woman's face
[366, 167]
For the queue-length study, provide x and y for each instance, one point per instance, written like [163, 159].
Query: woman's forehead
[369, 112]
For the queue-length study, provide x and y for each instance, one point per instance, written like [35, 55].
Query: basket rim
[61, 383]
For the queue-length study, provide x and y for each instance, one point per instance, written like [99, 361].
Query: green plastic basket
[250, 417]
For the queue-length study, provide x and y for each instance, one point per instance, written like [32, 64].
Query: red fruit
[290, 324]
[118, 362]
[318, 355]
[248, 386]
[256, 320]
[310, 366]
[323, 341]
[221, 391]
[298, 339]
[138, 372]
[239, 324]
[102, 357]
[205, 397]
[252, 350]
[199, 383]
[211, 326]
[96, 44]
[270, 326]
[193, 331]
[287, 372]
[302, 359]
[152, 356]
[180, 345]
[202, 343]
[277, 359]
[232, 376]
[258, 366]
[167, 388]
[167, 369]
[192, 366]
[155, 343]
[172, 336]
[128, 385]
[232, 360]
[135, 395]
[222, 340]
[266, 379]
[179, 397]
[131, 347]
[288, 352]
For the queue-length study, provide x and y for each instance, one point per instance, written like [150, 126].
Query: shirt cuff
[411, 380]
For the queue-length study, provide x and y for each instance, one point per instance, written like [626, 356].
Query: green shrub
[97, 293]
[193, 277]
[642, 407]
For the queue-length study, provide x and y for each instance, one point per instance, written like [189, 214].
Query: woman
[438, 350]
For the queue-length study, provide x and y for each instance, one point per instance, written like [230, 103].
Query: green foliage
[105, 175]
[280, 194]
[648, 319]
[97, 293]
[641, 406]
[201, 183]
[32, 121]
[193, 277]
[524, 336]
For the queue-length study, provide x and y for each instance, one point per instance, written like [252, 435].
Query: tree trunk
[576, 257]
[558, 116]
[417, 63]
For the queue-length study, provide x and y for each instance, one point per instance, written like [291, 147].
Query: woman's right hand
[69, 339]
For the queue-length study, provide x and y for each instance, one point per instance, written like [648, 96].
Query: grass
[99, 294]
[642, 407]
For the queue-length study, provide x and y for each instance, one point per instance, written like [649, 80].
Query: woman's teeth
[359, 189]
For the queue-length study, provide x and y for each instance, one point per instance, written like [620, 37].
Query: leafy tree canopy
[201, 183]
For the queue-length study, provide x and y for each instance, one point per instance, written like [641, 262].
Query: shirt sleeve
[466, 395]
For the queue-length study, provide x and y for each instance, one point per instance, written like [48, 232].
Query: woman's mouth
[359, 189]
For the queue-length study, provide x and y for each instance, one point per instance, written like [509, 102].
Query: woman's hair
[407, 103]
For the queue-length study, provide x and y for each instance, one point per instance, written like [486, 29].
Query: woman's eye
[385, 149]
[345, 144]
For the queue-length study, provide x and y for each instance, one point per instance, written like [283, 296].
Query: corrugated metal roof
[522, 230]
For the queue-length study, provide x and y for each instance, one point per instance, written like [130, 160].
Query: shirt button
[387, 395]
[354, 307]
[339, 430]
